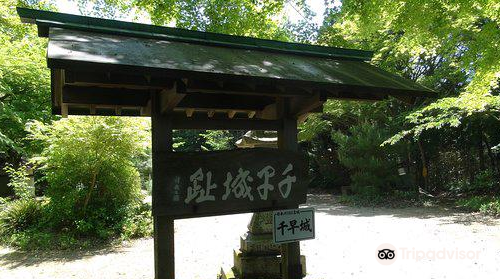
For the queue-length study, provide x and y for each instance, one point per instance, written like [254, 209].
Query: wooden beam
[303, 105]
[118, 110]
[64, 110]
[105, 96]
[241, 88]
[224, 101]
[369, 95]
[231, 114]
[211, 113]
[117, 80]
[162, 142]
[170, 99]
[189, 112]
[251, 114]
[287, 140]
[146, 111]
[205, 123]
[57, 82]
[269, 112]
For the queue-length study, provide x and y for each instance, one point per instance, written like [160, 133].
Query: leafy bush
[139, 222]
[19, 181]
[491, 208]
[484, 182]
[94, 188]
[19, 215]
[484, 204]
[473, 203]
[88, 163]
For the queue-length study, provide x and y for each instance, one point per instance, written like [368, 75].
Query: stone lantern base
[258, 257]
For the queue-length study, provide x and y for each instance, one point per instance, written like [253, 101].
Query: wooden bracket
[169, 99]
[304, 105]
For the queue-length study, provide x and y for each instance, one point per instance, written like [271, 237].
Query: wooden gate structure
[198, 80]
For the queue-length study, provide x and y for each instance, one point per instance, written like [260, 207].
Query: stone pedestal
[258, 257]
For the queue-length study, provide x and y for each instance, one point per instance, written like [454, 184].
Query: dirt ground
[428, 242]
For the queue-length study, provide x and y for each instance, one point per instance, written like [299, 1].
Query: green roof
[47, 19]
[98, 64]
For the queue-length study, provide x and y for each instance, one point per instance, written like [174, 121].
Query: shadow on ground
[11, 259]
[329, 204]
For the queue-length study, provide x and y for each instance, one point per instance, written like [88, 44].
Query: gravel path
[345, 247]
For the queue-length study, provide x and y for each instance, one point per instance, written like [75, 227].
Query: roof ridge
[47, 19]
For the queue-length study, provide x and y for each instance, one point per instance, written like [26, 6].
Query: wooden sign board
[225, 182]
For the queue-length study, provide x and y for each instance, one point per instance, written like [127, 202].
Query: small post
[287, 139]
[162, 142]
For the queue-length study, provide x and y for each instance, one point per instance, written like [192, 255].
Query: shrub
[484, 204]
[491, 208]
[19, 181]
[139, 223]
[20, 215]
[484, 182]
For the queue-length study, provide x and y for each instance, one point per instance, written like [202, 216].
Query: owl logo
[386, 254]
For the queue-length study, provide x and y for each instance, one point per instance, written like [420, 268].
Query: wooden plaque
[225, 182]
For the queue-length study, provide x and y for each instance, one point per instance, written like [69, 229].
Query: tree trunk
[425, 171]
[480, 150]
[89, 193]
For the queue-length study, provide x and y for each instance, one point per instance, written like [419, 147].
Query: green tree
[256, 18]
[453, 48]
[24, 80]
[373, 168]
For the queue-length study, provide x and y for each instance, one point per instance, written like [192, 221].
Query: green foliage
[219, 140]
[373, 168]
[484, 204]
[491, 208]
[256, 18]
[20, 215]
[484, 182]
[453, 49]
[19, 181]
[24, 80]
[139, 222]
[94, 188]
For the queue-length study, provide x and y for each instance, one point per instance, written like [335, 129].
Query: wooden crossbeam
[346, 95]
[215, 123]
[115, 80]
[241, 88]
[105, 96]
[224, 101]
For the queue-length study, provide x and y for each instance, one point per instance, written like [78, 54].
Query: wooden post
[287, 139]
[161, 131]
